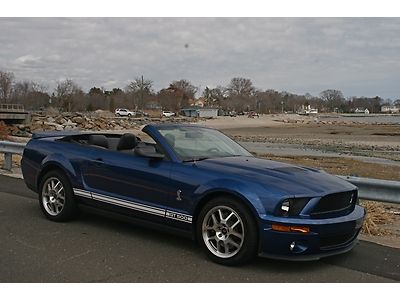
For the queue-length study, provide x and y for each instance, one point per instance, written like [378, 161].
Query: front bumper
[327, 237]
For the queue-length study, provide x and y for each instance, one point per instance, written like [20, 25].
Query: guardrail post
[7, 161]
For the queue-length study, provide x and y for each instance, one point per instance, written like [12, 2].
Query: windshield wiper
[194, 159]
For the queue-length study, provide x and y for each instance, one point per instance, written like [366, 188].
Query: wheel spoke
[209, 227]
[233, 243]
[234, 225]
[240, 236]
[220, 215]
[231, 214]
[214, 218]
[56, 185]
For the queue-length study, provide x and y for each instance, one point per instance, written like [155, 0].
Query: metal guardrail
[368, 188]
[10, 148]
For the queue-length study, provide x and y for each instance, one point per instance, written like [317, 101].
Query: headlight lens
[292, 207]
[285, 207]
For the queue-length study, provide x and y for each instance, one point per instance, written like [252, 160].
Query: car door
[129, 184]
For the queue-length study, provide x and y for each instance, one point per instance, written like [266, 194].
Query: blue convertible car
[196, 181]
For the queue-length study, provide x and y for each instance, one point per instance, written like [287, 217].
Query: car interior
[125, 143]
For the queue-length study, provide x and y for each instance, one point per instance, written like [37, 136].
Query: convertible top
[48, 134]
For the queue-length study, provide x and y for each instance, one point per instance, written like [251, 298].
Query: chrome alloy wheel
[53, 196]
[223, 231]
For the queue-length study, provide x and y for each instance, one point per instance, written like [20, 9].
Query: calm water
[369, 119]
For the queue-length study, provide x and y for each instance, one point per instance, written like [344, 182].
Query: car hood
[285, 178]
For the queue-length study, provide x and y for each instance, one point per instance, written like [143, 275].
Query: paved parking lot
[97, 249]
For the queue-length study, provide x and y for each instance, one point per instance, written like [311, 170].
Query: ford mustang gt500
[196, 181]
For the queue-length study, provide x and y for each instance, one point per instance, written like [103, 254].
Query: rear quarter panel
[39, 154]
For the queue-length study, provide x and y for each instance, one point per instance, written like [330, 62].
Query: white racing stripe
[135, 206]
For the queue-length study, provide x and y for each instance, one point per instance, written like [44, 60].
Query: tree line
[239, 95]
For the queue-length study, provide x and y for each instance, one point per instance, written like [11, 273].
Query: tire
[233, 241]
[56, 197]
[129, 115]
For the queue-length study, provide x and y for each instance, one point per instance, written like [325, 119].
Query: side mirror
[148, 151]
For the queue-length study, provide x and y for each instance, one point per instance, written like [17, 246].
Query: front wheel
[227, 231]
[56, 197]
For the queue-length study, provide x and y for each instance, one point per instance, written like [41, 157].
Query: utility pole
[141, 92]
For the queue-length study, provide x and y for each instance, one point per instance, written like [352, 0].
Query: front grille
[336, 240]
[335, 203]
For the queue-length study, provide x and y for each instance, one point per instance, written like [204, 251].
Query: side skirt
[136, 221]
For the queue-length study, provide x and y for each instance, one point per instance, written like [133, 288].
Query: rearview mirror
[148, 151]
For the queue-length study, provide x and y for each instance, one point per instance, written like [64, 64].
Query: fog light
[292, 245]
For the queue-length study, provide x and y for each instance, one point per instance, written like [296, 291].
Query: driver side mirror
[148, 151]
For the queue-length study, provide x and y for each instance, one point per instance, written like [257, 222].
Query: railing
[10, 148]
[368, 188]
[11, 108]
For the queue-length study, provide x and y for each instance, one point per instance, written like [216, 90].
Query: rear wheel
[56, 197]
[227, 231]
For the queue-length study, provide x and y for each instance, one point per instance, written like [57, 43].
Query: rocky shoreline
[79, 121]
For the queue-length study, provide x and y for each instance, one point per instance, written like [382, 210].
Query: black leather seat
[127, 142]
[98, 140]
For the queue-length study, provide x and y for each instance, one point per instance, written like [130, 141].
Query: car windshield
[197, 143]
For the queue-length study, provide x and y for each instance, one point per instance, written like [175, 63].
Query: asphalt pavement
[97, 249]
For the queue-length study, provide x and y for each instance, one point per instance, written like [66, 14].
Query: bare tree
[333, 98]
[6, 85]
[215, 96]
[186, 87]
[67, 93]
[240, 87]
[140, 90]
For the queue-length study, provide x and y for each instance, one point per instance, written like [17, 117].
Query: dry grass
[3, 131]
[377, 216]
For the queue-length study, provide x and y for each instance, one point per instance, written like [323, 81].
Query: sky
[359, 56]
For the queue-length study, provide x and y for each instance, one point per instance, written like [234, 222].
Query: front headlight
[292, 207]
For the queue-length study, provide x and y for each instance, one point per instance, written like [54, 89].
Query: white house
[390, 109]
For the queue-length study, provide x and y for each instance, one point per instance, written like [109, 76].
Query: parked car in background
[168, 114]
[197, 182]
[124, 112]
[253, 114]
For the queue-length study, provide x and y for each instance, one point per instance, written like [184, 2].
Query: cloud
[360, 56]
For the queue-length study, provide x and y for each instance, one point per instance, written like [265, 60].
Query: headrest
[128, 141]
[98, 140]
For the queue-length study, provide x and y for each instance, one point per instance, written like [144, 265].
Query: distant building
[389, 109]
[307, 110]
[197, 111]
[362, 111]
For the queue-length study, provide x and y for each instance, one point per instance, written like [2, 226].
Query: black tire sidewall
[250, 243]
[70, 208]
